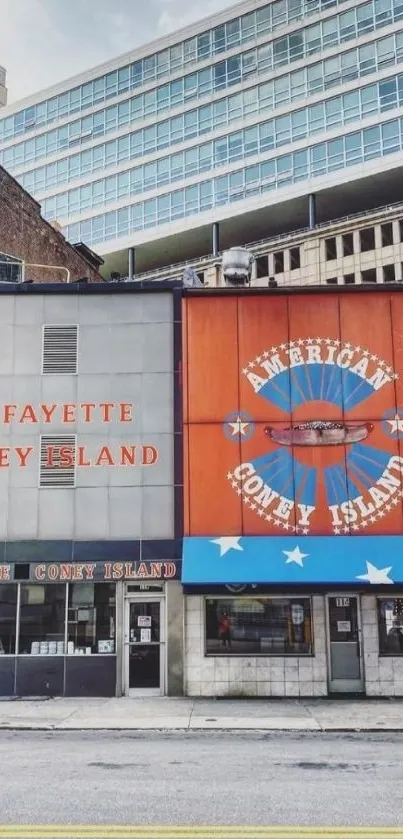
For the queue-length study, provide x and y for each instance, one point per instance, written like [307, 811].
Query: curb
[198, 729]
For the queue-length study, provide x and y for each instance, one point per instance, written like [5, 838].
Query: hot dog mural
[293, 412]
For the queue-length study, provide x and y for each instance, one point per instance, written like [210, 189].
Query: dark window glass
[401, 230]
[279, 262]
[331, 281]
[349, 279]
[295, 259]
[8, 618]
[389, 274]
[369, 276]
[348, 244]
[265, 626]
[331, 252]
[91, 618]
[367, 239]
[387, 234]
[42, 619]
[390, 626]
[262, 269]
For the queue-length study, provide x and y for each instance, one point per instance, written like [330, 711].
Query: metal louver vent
[59, 351]
[58, 461]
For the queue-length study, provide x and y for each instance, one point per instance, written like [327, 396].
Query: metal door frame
[349, 685]
[144, 598]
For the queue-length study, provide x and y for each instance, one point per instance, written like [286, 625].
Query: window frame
[266, 653]
[379, 600]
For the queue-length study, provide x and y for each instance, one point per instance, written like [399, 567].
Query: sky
[45, 41]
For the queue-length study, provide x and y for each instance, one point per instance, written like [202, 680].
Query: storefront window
[8, 619]
[91, 618]
[390, 626]
[258, 626]
[42, 619]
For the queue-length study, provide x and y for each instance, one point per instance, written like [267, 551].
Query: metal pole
[216, 238]
[131, 263]
[312, 211]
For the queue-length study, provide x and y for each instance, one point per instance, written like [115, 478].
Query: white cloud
[45, 41]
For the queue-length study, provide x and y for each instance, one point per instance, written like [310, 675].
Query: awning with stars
[329, 560]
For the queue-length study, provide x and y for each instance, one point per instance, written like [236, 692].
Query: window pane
[8, 616]
[390, 626]
[91, 618]
[42, 619]
[264, 626]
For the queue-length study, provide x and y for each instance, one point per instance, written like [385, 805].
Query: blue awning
[329, 560]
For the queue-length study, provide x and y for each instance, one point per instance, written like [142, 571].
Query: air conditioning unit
[237, 266]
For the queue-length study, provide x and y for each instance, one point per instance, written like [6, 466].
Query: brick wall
[27, 236]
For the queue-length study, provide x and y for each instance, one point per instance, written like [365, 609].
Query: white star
[246, 502]
[319, 340]
[357, 348]
[328, 341]
[347, 346]
[268, 517]
[346, 529]
[229, 475]
[381, 363]
[355, 527]
[295, 556]
[273, 349]
[366, 353]
[227, 543]
[238, 427]
[251, 364]
[258, 359]
[336, 531]
[376, 575]
[374, 358]
[300, 342]
[309, 340]
[239, 491]
[245, 371]
[305, 531]
[234, 484]
[260, 512]
[283, 346]
[265, 354]
[389, 370]
[396, 424]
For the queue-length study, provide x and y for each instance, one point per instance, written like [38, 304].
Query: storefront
[91, 602]
[292, 568]
[86, 629]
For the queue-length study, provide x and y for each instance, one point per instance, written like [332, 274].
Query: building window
[295, 259]
[331, 281]
[387, 234]
[258, 626]
[389, 274]
[348, 244]
[330, 246]
[367, 239]
[279, 262]
[91, 618]
[368, 276]
[390, 626]
[262, 267]
[8, 618]
[42, 619]
[401, 230]
[349, 279]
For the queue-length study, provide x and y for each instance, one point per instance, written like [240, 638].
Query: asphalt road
[201, 778]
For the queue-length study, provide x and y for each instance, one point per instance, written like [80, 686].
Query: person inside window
[224, 629]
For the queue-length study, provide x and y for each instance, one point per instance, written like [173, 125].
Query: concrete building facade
[90, 593]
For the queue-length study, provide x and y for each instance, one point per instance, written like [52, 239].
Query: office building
[3, 89]
[263, 119]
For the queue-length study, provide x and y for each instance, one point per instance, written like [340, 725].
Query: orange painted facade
[293, 411]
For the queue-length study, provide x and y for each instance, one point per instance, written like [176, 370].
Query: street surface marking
[207, 832]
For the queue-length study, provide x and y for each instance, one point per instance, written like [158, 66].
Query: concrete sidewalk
[184, 714]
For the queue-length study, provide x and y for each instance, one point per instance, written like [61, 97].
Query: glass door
[344, 644]
[144, 636]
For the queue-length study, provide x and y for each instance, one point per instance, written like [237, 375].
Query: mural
[293, 414]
